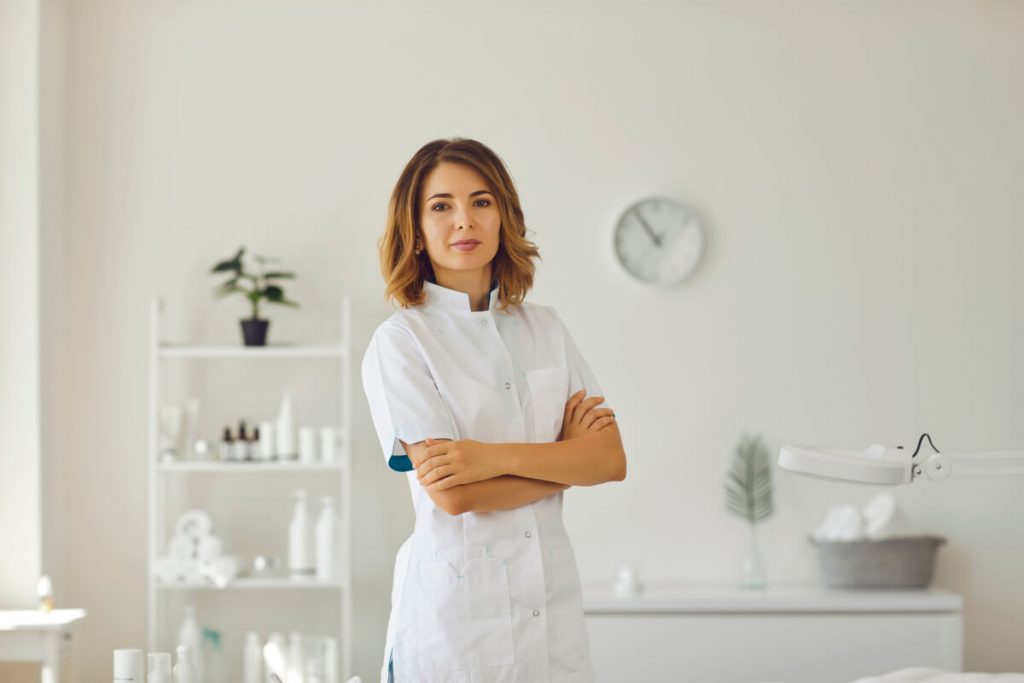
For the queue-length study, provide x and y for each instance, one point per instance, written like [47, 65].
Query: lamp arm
[938, 466]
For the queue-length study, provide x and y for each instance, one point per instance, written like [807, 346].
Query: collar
[452, 299]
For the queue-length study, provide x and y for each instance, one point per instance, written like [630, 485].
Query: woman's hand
[581, 416]
[453, 463]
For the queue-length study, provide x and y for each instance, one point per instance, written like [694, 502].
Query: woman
[481, 399]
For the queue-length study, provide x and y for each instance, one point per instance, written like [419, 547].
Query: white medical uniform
[482, 597]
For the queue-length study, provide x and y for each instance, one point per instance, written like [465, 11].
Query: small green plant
[748, 487]
[253, 285]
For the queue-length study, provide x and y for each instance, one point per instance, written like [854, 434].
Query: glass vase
[752, 567]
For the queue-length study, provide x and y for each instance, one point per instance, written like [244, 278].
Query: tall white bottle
[284, 430]
[252, 665]
[185, 670]
[300, 537]
[295, 672]
[190, 634]
[325, 530]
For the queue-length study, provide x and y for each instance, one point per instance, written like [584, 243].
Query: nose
[462, 219]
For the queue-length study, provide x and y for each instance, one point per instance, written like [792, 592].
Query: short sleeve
[404, 401]
[580, 374]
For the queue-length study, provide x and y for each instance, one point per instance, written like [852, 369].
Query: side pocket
[463, 612]
[549, 389]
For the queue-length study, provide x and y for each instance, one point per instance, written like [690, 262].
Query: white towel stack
[880, 518]
[195, 554]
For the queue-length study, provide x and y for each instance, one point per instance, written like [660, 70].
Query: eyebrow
[448, 195]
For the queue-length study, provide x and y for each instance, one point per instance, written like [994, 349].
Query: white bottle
[159, 667]
[252, 662]
[307, 445]
[330, 660]
[325, 529]
[275, 658]
[185, 670]
[190, 634]
[267, 444]
[300, 546]
[284, 430]
[127, 666]
[295, 672]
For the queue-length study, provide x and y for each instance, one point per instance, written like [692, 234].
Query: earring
[419, 248]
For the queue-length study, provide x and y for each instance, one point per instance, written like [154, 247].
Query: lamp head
[877, 465]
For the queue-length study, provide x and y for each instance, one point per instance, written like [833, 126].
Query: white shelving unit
[336, 592]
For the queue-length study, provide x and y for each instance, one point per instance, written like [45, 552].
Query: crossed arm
[472, 476]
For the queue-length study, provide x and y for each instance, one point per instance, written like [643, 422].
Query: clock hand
[647, 227]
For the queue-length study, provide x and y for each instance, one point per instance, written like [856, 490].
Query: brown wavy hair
[405, 271]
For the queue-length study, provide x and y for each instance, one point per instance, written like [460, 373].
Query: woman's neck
[475, 283]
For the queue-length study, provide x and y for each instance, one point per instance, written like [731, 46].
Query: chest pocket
[549, 389]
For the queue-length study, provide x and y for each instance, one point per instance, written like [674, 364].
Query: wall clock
[658, 241]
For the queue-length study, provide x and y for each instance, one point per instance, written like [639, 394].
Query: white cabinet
[791, 634]
[251, 502]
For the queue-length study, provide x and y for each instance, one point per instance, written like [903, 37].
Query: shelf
[256, 584]
[271, 351]
[249, 467]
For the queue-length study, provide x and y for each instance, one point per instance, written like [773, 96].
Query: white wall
[31, 201]
[858, 167]
[20, 503]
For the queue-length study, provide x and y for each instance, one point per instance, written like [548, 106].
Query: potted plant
[255, 285]
[748, 494]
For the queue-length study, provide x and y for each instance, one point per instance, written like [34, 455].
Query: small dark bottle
[226, 449]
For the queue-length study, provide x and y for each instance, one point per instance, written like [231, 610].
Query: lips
[466, 245]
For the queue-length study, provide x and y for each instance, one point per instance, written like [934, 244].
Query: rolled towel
[883, 518]
[842, 523]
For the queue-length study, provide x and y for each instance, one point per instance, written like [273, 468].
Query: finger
[594, 414]
[439, 448]
[446, 483]
[437, 474]
[430, 464]
[570, 405]
[601, 423]
[583, 407]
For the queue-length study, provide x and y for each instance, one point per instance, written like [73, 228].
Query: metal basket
[906, 562]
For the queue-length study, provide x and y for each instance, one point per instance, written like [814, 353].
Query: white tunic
[489, 597]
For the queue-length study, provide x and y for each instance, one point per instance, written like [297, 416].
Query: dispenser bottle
[325, 530]
[241, 448]
[300, 550]
[185, 670]
[226, 446]
[159, 667]
[190, 635]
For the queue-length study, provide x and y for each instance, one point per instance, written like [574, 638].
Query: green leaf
[225, 288]
[748, 485]
[279, 275]
[232, 264]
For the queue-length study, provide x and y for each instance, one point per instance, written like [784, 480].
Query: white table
[34, 636]
[793, 633]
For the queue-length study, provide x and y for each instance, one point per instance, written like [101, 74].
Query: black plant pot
[254, 331]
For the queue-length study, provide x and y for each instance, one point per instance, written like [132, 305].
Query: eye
[483, 202]
[440, 206]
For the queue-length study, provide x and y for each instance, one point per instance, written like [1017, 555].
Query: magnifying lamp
[892, 465]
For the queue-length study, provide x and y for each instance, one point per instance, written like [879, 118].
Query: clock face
[658, 241]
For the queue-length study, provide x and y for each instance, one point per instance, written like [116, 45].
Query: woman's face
[459, 219]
